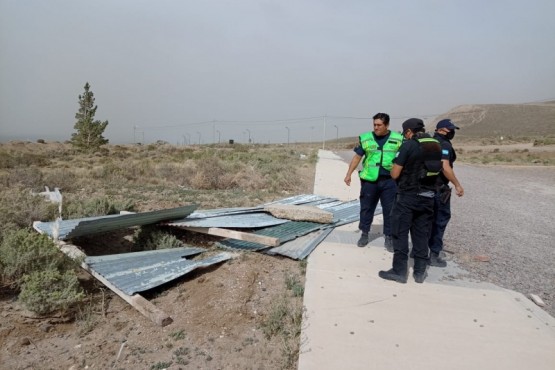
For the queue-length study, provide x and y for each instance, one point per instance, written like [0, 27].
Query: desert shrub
[65, 179]
[23, 252]
[167, 170]
[22, 159]
[25, 177]
[208, 174]
[20, 208]
[150, 237]
[177, 173]
[548, 140]
[293, 284]
[118, 172]
[96, 206]
[50, 290]
[502, 158]
[284, 318]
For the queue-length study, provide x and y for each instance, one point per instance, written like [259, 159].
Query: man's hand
[347, 180]
[459, 190]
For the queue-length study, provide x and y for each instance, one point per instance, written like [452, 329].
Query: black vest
[423, 166]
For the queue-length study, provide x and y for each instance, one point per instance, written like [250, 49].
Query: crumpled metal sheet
[140, 271]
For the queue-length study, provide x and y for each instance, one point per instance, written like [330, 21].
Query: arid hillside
[507, 120]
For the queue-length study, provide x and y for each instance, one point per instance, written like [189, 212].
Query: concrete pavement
[355, 320]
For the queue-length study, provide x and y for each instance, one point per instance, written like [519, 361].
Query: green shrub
[150, 237]
[23, 252]
[97, 206]
[20, 208]
[50, 290]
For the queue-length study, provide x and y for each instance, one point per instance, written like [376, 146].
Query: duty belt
[426, 194]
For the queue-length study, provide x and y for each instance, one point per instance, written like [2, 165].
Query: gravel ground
[507, 214]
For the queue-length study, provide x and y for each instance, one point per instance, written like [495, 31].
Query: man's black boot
[388, 243]
[419, 278]
[363, 240]
[437, 261]
[393, 275]
[420, 265]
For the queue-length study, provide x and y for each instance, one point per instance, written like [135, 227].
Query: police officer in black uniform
[445, 132]
[416, 168]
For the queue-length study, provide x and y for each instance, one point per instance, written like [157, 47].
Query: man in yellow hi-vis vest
[378, 148]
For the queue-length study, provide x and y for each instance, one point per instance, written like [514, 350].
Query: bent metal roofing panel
[343, 213]
[68, 229]
[140, 271]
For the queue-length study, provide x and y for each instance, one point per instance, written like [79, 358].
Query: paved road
[508, 215]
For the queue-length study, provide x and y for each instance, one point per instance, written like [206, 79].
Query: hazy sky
[210, 70]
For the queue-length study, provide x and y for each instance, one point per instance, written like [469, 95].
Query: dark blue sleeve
[358, 149]
[446, 150]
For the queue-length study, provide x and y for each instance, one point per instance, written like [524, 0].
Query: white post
[324, 138]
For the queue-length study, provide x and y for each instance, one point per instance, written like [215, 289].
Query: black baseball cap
[413, 123]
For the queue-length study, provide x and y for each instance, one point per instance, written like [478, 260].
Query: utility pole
[287, 134]
[336, 134]
[218, 136]
[249, 131]
[198, 137]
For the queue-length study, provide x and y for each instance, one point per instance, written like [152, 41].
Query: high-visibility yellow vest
[376, 157]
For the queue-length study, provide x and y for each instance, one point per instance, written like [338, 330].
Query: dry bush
[208, 175]
[29, 177]
[176, 173]
[65, 179]
[19, 207]
[10, 159]
[248, 179]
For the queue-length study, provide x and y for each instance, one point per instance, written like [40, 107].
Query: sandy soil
[218, 318]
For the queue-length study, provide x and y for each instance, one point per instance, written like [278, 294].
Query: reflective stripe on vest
[376, 157]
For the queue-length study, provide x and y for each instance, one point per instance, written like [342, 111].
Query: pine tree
[89, 132]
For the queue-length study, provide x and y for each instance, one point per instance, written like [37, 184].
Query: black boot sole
[393, 277]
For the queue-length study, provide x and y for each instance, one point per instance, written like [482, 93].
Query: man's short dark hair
[383, 116]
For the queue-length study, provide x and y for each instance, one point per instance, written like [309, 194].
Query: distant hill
[487, 120]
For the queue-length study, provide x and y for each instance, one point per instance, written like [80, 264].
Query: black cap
[413, 123]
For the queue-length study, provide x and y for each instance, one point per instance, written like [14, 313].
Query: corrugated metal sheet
[305, 199]
[301, 247]
[236, 221]
[137, 272]
[343, 213]
[284, 232]
[67, 229]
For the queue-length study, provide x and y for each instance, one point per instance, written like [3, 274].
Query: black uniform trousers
[411, 213]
